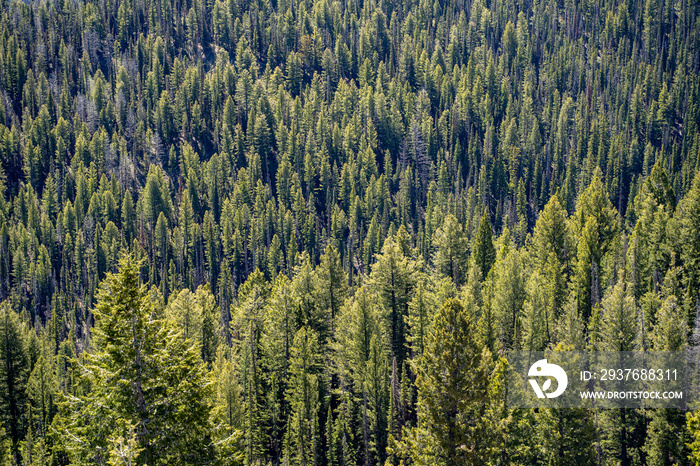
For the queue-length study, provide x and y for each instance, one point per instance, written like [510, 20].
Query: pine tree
[14, 375]
[199, 317]
[684, 229]
[226, 413]
[595, 228]
[565, 436]
[41, 392]
[420, 318]
[278, 337]
[376, 394]
[303, 392]
[619, 320]
[571, 329]
[586, 279]
[550, 234]
[155, 198]
[509, 296]
[184, 312]
[143, 381]
[667, 438]
[452, 378]
[393, 276]
[450, 244]
[331, 284]
[537, 321]
[128, 222]
[620, 428]
[310, 311]
[483, 252]
[649, 250]
[358, 356]
[253, 296]
[273, 115]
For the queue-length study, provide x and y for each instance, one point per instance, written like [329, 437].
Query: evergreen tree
[303, 436]
[272, 117]
[331, 283]
[450, 256]
[565, 436]
[483, 252]
[594, 225]
[253, 296]
[358, 333]
[420, 319]
[393, 276]
[537, 321]
[649, 250]
[509, 296]
[684, 228]
[128, 218]
[42, 386]
[550, 234]
[453, 391]
[278, 337]
[619, 320]
[14, 375]
[226, 412]
[199, 318]
[667, 438]
[621, 437]
[143, 381]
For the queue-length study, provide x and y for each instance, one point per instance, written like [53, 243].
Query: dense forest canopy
[248, 232]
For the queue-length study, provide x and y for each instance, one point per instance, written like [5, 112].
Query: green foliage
[550, 234]
[565, 436]
[394, 278]
[42, 386]
[509, 296]
[452, 380]
[331, 282]
[450, 250]
[341, 168]
[595, 227]
[619, 320]
[483, 252]
[226, 412]
[14, 376]
[303, 437]
[142, 390]
[198, 316]
[685, 230]
[538, 320]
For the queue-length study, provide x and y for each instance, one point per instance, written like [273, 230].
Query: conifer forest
[305, 232]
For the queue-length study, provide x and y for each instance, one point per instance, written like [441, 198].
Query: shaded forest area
[304, 232]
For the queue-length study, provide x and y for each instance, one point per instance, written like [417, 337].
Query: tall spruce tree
[621, 429]
[142, 383]
[450, 257]
[483, 252]
[509, 296]
[667, 438]
[550, 234]
[452, 377]
[394, 278]
[303, 435]
[14, 375]
[331, 284]
[684, 230]
[227, 412]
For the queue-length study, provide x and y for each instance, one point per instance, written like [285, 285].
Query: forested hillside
[303, 232]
